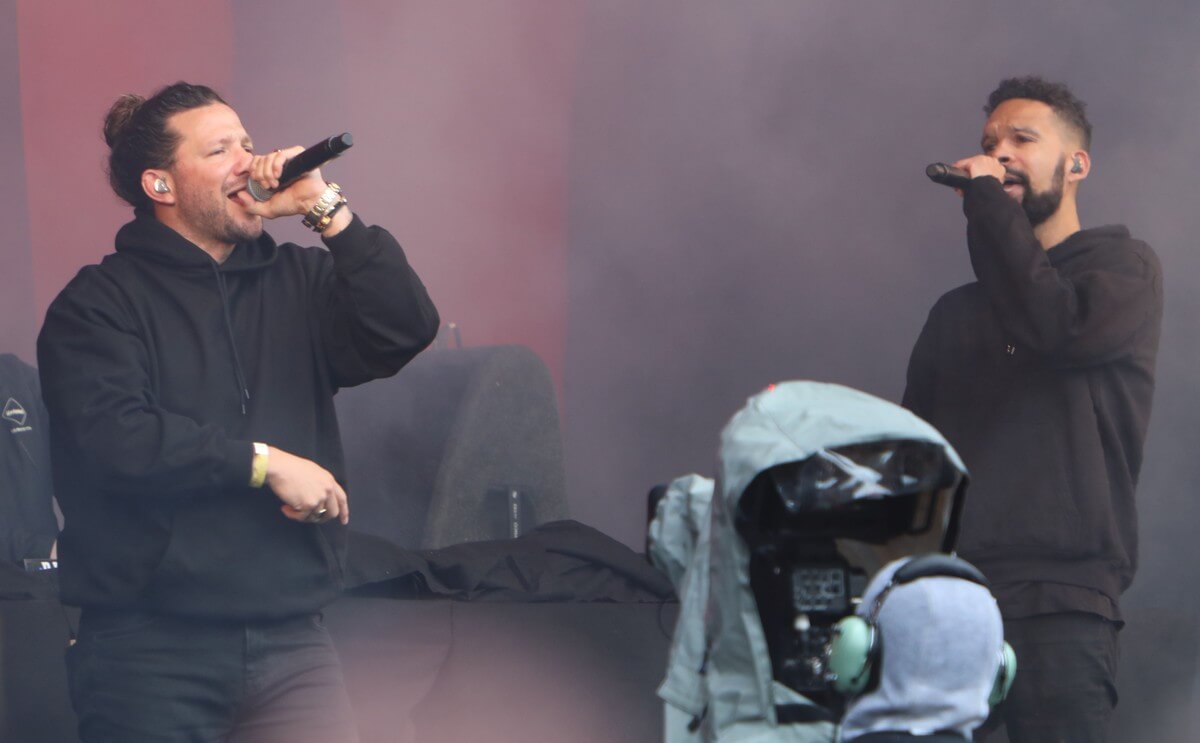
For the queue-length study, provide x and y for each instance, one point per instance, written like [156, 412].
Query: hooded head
[940, 648]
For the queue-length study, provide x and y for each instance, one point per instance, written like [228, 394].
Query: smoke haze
[748, 205]
[673, 203]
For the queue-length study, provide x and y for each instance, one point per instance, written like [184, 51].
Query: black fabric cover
[563, 561]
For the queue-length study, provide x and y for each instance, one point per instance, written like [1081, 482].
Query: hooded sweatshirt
[1041, 374]
[159, 369]
[941, 641]
[719, 683]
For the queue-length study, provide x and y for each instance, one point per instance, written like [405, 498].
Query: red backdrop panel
[76, 59]
[17, 324]
[463, 110]
[461, 114]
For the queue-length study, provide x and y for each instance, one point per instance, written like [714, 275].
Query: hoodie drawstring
[243, 388]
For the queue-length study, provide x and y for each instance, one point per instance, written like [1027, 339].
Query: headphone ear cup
[851, 653]
[1004, 675]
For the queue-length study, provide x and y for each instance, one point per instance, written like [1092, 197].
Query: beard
[209, 218]
[1040, 206]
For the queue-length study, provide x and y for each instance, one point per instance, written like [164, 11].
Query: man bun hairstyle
[1055, 95]
[138, 136]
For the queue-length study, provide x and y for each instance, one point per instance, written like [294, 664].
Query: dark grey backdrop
[749, 205]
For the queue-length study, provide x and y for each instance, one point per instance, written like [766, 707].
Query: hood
[1086, 241]
[941, 640]
[680, 522]
[148, 239]
[792, 421]
[678, 544]
[732, 679]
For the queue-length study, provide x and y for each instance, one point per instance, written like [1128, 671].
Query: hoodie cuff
[981, 192]
[356, 238]
[238, 458]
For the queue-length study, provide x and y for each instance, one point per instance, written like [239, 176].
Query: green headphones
[853, 657]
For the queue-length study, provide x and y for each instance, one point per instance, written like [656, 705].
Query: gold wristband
[258, 465]
[328, 218]
[326, 204]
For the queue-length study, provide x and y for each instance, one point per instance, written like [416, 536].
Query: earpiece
[1004, 676]
[160, 186]
[1076, 165]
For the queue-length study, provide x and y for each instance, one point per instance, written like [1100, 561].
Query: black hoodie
[1041, 374]
[159, 369]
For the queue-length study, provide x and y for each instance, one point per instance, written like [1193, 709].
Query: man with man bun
[189, 378]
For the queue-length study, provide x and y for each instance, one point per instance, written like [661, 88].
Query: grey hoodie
[941, 645]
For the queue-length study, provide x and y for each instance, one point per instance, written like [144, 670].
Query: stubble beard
[210, 218]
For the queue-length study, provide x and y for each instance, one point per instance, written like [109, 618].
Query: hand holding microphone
[948, 175]
[297, 164]
[286, 182]
[959, 174]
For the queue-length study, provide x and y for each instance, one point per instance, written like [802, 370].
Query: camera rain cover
[826, 465]
[834, 477]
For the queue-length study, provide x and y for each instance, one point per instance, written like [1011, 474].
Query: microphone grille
[257, 192]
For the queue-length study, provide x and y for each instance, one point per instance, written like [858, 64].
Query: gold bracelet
[325, 220]
[258, 465]
[325, 203]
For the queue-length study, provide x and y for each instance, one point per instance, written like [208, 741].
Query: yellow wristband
[258, 465]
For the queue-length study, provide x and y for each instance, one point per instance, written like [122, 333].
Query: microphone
[948, 175]
[310, 159]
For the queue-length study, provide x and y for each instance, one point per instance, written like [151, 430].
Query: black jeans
[143, 677]
[1065, 689]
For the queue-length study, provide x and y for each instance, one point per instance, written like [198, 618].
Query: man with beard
[1041, 374]
[189, 379]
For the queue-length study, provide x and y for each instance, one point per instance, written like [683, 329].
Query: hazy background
[674, 203]
[748, 204]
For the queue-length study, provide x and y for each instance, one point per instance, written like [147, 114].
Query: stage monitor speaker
[461, 445]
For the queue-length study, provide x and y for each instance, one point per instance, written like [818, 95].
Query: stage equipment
[819, 486]
[460, 446]
[815, 530]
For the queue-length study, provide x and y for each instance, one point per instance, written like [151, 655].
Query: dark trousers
[143, 677]
[1065, 689]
